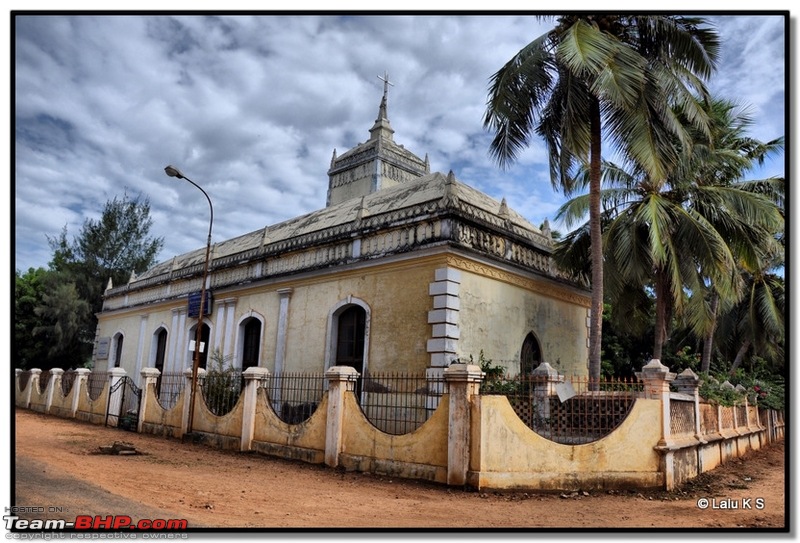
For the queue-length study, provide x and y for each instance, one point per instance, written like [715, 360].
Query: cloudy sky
[252, 107]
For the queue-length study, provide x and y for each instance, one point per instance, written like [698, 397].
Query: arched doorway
[531, 355]
[205, 334]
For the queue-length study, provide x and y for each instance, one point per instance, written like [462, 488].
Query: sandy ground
[57, 465]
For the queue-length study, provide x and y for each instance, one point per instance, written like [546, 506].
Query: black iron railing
[398, 403]
[569, 410]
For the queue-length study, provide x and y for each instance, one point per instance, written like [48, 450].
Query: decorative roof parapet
[470, 226]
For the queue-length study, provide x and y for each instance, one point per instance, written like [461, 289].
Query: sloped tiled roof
[430, 192]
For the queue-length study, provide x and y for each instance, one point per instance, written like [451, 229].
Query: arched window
[251, 342]
[160, 355]
[531, 355]
[350, 338]
[351, 324]
[118, 350]
[161, 349]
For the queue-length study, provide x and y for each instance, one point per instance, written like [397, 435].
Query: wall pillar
[149, 377]
[55, 381]
[463, 381]
[81, 377]
[656, 378]
[341, 379]
[187, 397]
[33, 381]
[17, 391]
[253, 377]
[544, 379]
[114, 405]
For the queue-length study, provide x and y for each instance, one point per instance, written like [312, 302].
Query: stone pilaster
[657, 378]
[285, 295]
[17, 390]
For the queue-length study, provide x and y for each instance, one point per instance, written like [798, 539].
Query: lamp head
[172, 171]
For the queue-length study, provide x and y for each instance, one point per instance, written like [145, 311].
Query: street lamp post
[175, 172]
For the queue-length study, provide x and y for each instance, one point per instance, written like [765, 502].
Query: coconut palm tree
[596, 77]
[678, 237]
[724, 157]
[757, 321]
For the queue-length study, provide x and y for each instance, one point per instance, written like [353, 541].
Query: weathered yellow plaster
[426, 445]
[496, 316]
[511, 455]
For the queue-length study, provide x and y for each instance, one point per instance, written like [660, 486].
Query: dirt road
[57, 466]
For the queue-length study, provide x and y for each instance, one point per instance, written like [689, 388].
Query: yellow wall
[497, 311]
[269, 428]
[507, 454]
[397, 295]
[419, 454]
[399, 303]
[496, 316]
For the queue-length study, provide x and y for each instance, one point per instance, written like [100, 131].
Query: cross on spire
[386, 83]
[381, 129]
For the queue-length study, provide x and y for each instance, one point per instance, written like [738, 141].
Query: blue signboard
[194, 305]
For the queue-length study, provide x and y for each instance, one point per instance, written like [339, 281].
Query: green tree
[57, 308]
[596, 77]
[725, 157]
[757, 324]
[675, 237]
[112, 247]
[63, 316]
[29, 351]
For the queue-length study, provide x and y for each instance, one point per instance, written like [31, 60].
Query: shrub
[222, 384]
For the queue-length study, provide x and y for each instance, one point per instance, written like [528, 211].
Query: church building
[404, 270]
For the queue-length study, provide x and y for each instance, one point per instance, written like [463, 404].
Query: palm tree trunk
[596, 234]
[660, 332]
[708, 341]
[740, 356]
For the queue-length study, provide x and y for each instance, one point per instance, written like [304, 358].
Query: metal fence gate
[124, 401]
